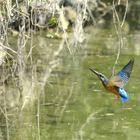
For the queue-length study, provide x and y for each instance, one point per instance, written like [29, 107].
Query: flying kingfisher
[116, 83]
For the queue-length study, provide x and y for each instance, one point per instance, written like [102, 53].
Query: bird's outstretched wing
[123, 76]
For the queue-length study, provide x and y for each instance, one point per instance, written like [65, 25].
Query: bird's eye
[102, 78]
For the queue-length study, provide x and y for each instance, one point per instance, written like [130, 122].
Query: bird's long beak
[94, 71]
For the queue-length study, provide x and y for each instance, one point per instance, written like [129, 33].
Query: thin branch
[118, 29]
[124, 17]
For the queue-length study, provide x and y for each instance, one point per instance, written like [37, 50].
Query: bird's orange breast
[112, 89]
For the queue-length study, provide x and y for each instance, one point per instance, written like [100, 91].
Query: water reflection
[89, 112]
[70, 101]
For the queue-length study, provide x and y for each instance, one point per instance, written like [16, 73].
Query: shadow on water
[71, 103]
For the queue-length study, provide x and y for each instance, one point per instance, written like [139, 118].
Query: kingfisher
[116, 83]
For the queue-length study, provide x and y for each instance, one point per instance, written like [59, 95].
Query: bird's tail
[124, 95]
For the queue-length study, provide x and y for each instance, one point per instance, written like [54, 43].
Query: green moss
[53, 22]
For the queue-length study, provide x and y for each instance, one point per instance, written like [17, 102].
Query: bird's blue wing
[123, 76]
[125, 72]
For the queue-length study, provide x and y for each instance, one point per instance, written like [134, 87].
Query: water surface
[77, 107]
[67, 101]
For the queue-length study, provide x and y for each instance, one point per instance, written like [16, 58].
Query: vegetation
[21, 25]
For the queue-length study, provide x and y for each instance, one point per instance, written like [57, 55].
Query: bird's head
[100, 76]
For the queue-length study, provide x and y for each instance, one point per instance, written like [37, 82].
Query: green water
[77, 107]
[72, 104]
